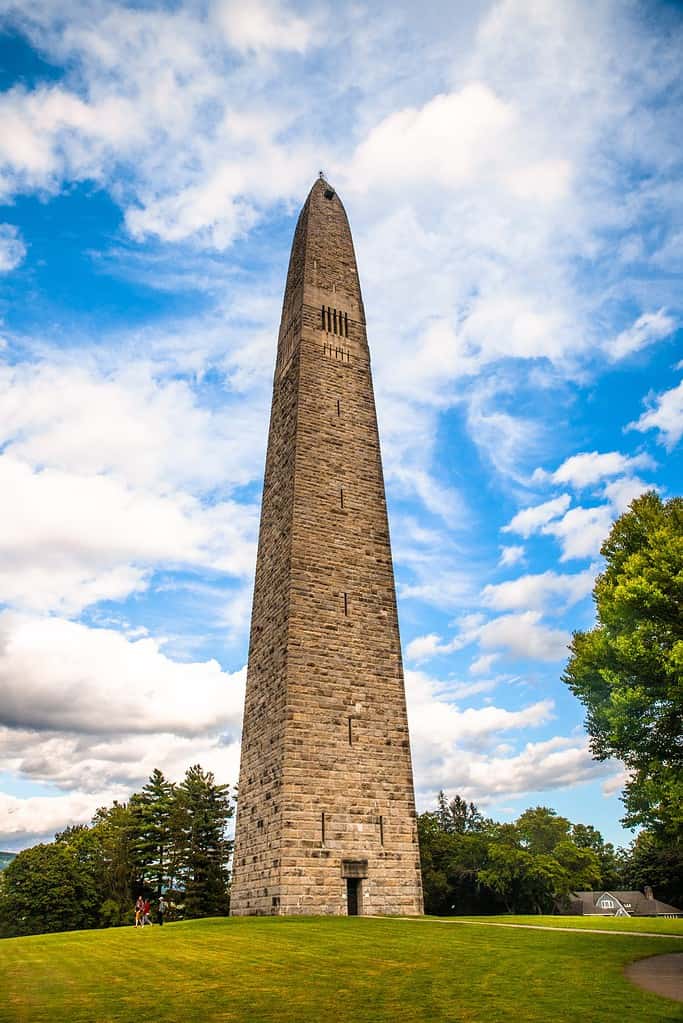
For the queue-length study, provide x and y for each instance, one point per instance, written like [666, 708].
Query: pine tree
[151, 812]
[204, 809]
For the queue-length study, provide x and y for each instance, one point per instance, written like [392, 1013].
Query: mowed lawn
[642, 925]
[336, 969]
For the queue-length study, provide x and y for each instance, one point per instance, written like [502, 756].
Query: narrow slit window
[346, 325]
[322, 313]
[338, 407]
[346, 605]
[334, 320]
[381, 830]
[322, 828]
[341, 497]
[329, 320]
[350, 732]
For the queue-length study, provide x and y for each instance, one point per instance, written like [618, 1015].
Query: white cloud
[560, 762]
[547, 591]
[460, 751]
[581, 531]
[447, 141]
[131, 420]
[647, 329]
[482, 665]
[62, 675]
[530, 520]
[590, 467]
[511, 555]
[58, 550]
[665, 415]
[12, 248]
[524, 635]
[36, 817]
[621, 492]
[260, 25]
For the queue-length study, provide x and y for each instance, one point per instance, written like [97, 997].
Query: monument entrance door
[353, 896]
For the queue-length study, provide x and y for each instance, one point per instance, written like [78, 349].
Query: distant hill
[6, 859]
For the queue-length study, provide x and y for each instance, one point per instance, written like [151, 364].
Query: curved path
[545, 927]
[662, 975]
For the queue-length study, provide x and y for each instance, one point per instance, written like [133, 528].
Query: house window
[606, 903]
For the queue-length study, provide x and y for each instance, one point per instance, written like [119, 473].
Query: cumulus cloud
[63, 676]
[530, 520]
[260, 26]
[581, 531]
[590, 467]
[12, 248]
[559, 762]
[664, 415]
[511, 555]
[460, 751]
[647, 329]
[522, 635]
[547, 591]
[58, 549]
[39, 817]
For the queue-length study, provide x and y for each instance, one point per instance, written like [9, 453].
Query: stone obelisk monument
[326, 811]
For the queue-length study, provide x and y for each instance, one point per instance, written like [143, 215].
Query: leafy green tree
[48, 888]
[114, 827]
[151, 820]
[451, 861]
[540, 829]
[651, 862]
[457, 816]
[628, 670]
[202, 814]
[611, 862]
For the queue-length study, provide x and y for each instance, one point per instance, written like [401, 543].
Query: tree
[540, 829]
[628, 670]
[114, 828]
[649, 862]
[611, 862]
[48, 888]
[152, 812]
[204, 809]
[458, 816]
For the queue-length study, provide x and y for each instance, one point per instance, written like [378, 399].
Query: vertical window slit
[322, 828]
[334, 320]
[381, 830]
[338, 407]
[346, 325]
[341, 497]
[322, 313]
[329, 320]
[350, 732]
[346, 605]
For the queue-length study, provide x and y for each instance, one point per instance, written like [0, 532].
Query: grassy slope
[288, 969]
[613, 923]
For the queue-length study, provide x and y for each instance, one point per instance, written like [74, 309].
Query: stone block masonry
[326, 814]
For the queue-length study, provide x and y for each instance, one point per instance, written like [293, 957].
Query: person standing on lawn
[161, 909]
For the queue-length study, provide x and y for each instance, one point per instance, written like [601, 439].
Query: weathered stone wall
[326, 773]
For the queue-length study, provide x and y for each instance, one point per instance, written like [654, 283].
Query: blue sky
[512, 173]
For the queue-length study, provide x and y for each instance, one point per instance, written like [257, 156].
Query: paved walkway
[662, 975]
[545, 927]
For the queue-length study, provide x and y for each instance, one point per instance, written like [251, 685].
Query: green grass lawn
[337, 969]
[608, 923]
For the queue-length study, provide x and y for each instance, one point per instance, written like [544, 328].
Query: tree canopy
[168, 838]
[628, 669]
